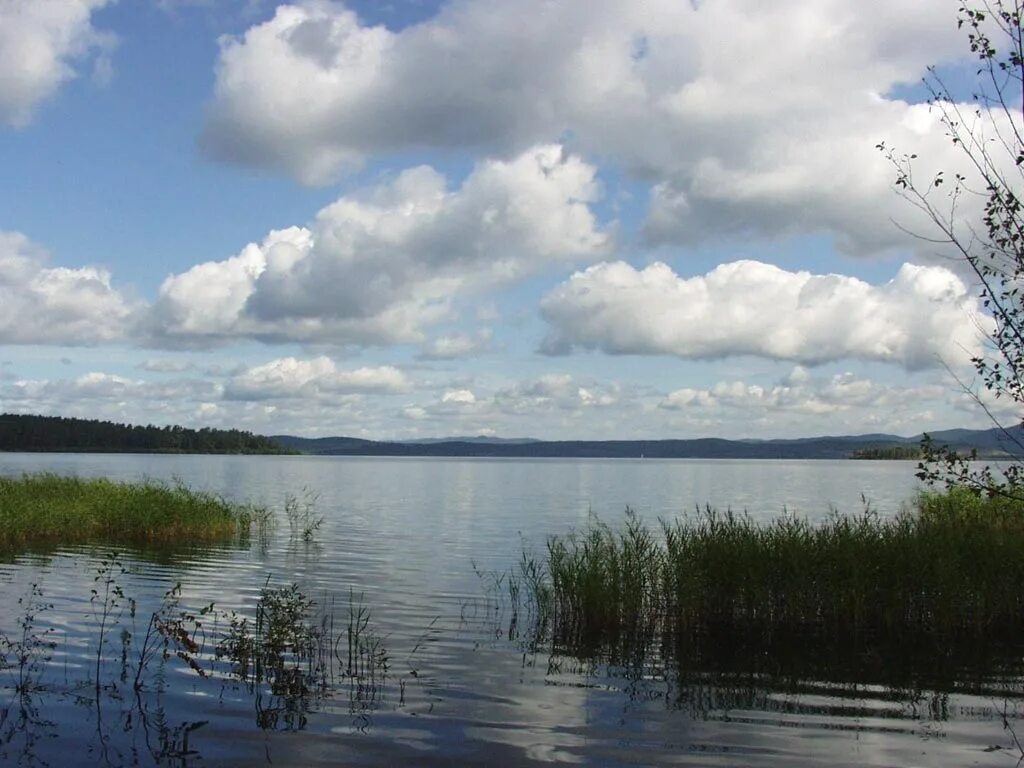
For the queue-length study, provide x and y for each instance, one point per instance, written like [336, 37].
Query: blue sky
[579, 219]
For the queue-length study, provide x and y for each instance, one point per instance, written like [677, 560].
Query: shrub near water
[46, 508]
[953, 566]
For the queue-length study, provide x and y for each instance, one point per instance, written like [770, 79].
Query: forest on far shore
[56, 433]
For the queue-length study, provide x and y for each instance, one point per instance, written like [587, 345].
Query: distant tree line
[54, 433]
[890, 452]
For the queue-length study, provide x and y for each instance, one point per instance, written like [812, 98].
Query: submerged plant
[107, 600]
[276, 648]
[301, 512]
[290, 652]
[23, 659]
[24, 656]
[366, 658]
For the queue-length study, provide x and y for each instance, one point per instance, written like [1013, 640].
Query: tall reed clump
[42, 509]
[953, 565]
[602, 582]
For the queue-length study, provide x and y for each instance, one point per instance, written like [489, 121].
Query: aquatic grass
[48, 509]
[948, 569]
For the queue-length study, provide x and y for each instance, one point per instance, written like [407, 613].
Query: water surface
[407, 539]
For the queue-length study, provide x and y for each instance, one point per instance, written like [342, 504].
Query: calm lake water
[406, 540]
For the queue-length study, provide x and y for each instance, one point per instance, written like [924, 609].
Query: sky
[563, 219]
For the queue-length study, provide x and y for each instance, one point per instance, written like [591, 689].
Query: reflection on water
[372, 642]
[160, 681]
[139, 680]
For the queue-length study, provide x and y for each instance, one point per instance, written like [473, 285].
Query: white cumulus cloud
[376, 266]
[751, 117]
[459, 397]
[98, 394]
[923, 317]
[42, 42]
[56, 305]
[553, 392]
[802, 403]
[457, 345]
[802, 394]
[289, 377]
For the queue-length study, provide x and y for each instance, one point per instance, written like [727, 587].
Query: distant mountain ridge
[19, 432]
[480, 439]
[990, 444]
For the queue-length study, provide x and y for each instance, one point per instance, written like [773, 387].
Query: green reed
[952, 565]
[47, 509]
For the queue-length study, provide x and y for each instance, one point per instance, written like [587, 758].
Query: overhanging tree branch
[988, 131]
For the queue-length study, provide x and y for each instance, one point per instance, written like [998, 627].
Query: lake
[416, 546]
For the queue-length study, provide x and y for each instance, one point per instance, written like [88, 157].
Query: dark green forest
[54, 433]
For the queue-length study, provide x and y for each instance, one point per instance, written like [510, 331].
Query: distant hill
[57, 434]
[991, 444]
[359, 446]
[990, 440]
[326, 446]
[479, 439]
